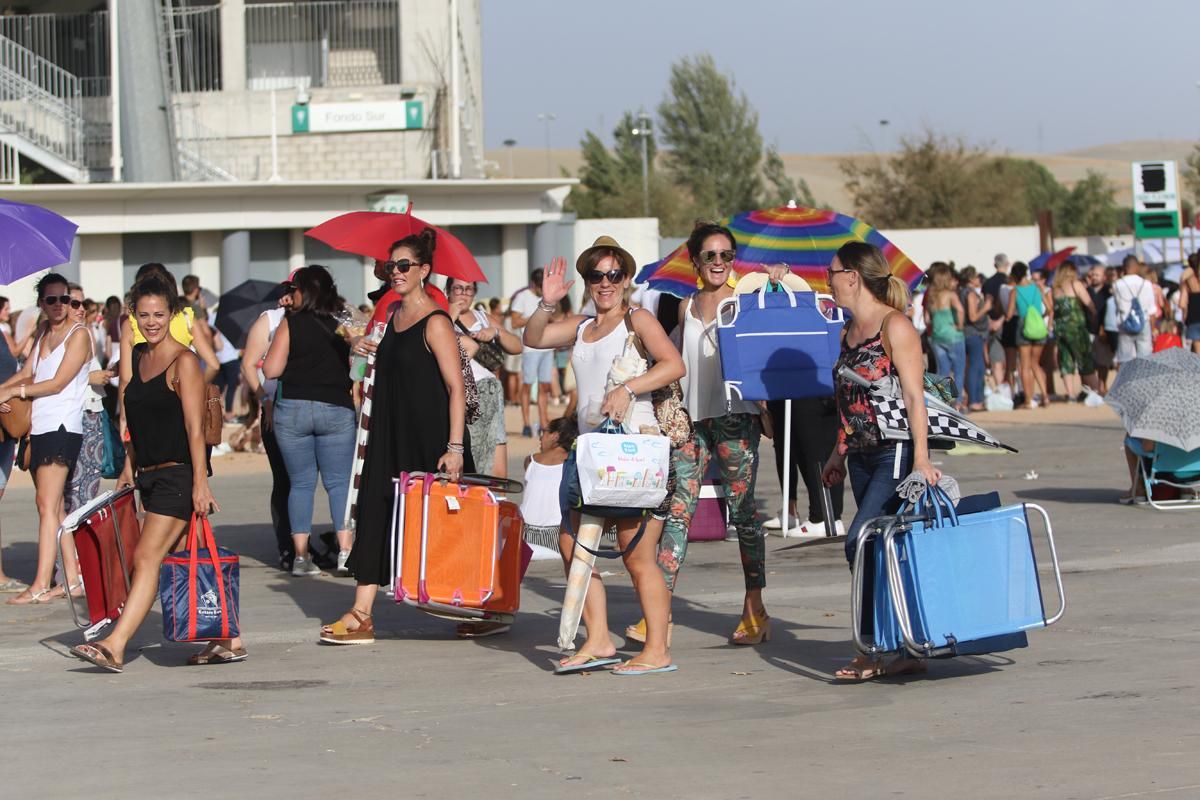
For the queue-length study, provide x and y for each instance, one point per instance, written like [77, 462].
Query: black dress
[410, 427]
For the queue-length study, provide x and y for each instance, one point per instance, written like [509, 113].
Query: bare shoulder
[643, 320]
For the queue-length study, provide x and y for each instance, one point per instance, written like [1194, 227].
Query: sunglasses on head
[614, 276]
[403, 265]
[65, 299]
[709, 256]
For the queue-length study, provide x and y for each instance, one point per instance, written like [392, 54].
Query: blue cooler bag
[198, 589]
[778, 345]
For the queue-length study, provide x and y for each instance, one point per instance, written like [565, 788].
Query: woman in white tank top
[55, 378]
[608, 270]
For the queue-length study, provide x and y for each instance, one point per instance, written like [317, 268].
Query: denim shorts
[1192, 332]
[537, 366]
[8, 452]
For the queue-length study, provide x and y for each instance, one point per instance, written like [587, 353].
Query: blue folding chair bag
[778, 345]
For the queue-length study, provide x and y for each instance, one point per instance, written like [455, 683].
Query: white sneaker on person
[773, 524]
[304, 567]
[731, 534]
[810, 528]
[343, 555]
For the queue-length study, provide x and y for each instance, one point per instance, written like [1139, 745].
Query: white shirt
[1130, 286]
[539, 503]
[480, 322]
[93, 397]
[703, 384]
[227, 352]
[591, 362]
[525, 303]
[66, 407]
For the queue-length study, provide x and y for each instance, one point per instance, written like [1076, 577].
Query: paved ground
[1101, 706]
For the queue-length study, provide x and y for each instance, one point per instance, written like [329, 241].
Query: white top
[227, 352]
[591, 362]
[539, 503]
[480, 322]
[1130, 286]
[704, 385]
[274, 317]
[525, 303]
[66, 407]
[93, 396]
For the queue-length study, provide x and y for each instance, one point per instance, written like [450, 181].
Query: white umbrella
[1156, 398]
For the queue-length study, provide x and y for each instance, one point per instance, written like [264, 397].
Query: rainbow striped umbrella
[803, 238]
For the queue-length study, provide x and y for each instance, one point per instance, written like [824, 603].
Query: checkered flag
[944, 422]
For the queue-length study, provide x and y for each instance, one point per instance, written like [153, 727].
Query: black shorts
[56, 447]
[1009, 333]
[167, 491]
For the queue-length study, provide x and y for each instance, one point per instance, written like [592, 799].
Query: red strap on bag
[201, 528]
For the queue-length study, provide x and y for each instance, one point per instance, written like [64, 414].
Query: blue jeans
[975, 368]
[951, 360]
[315, 437]
[873, 480]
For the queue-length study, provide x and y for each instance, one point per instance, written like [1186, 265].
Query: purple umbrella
[32, 238]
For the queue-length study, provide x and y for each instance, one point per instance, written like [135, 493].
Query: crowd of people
[1030, 337]
[140, 366]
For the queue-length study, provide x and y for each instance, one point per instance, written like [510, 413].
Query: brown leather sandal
[99, 655]
[338, 633]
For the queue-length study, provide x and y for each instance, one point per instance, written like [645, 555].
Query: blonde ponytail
[897, 294]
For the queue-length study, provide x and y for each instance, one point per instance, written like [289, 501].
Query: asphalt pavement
[1102, 705]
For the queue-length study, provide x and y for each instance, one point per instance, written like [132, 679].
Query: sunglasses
[403, 265]
[614, 276]
[831, 272]
[65, 299]
[462, 290]
[709, 256]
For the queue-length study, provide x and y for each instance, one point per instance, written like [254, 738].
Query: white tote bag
[623, 470]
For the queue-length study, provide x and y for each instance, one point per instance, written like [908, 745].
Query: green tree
[1090, 208]
[780, 187]
[1191, 172]
[712, 132]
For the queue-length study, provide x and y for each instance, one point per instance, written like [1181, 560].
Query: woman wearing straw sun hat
[608, 270]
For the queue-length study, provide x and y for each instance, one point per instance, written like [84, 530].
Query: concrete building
[209, 135]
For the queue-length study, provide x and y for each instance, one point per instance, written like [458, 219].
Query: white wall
[963, 246]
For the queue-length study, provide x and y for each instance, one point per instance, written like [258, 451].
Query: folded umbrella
[578, 578]
[372, 233]
[238, 308]
[1156, 398]
[32, 238]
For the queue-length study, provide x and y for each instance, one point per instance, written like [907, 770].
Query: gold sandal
[637, 633]
[338, 633]
[756, 630]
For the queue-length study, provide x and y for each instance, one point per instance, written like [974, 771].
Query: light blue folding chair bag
[959, 585]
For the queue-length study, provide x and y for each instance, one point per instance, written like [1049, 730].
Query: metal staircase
[41, 112]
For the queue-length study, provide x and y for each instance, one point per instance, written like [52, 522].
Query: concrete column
[206, 260]
[235, 258]
[233, 45]
[101, 267]
[296, 258]
[70, 270]
[514, 260]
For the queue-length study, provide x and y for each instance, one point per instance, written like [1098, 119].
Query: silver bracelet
[549, 308]
[457, 449]
[632, 393]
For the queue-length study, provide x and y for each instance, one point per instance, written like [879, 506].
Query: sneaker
[343, 555]
[304, 567]
[527, 432]
[810, 528]
[731, 534]
[773, 524]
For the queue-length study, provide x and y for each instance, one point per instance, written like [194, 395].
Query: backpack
[1135, 321]
[1033, 324]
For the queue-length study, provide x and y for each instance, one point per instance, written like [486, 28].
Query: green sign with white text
[390, 115]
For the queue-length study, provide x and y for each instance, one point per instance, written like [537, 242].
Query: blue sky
[1021, 75]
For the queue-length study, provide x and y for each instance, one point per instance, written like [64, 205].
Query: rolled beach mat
[590, 530]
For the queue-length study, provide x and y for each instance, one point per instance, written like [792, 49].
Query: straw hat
[628, 265]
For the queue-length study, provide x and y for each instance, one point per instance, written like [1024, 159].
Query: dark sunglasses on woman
[65, 299]
[403, 265]
[709, 256]
[613, 275]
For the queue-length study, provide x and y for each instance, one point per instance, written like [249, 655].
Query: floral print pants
[733, 441]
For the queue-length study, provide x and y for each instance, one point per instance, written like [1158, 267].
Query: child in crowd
[543, 473]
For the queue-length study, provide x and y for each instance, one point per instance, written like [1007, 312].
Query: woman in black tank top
[1189, 301]
[163, 407]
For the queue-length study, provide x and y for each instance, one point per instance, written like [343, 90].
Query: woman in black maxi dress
[418, 424]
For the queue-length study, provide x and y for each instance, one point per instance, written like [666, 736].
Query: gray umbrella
[1156, 397]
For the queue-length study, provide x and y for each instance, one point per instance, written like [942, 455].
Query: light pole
[643, 132]
[548, 117]
[510, 144]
